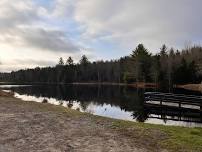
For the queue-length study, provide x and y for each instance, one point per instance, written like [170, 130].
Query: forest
[167, 67]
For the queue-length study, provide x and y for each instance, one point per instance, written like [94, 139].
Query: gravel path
[29, 126]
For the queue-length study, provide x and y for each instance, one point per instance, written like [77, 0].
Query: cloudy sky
[37, 32]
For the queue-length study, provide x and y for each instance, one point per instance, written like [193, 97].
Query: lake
[120, 102]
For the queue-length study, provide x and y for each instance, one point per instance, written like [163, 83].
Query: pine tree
[141, 58]
[70, 61]
[61, 61]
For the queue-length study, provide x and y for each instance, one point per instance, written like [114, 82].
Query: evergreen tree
[84, 60]
[141, 58]
[70, 61]
[61, 61]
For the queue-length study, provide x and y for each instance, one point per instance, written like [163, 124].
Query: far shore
[138, 85]
[192, 87]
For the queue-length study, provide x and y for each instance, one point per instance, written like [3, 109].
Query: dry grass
[193, 87]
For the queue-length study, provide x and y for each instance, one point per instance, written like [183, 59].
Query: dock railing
[179, 99]
[177, 107]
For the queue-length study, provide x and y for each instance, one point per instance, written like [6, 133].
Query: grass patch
[185, 138]
[178, 138]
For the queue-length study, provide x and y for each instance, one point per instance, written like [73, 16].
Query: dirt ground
[193, 87]
[29, 126]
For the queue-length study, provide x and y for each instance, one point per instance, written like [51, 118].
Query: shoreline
[35, 121]
[138, 85]
[192, 87]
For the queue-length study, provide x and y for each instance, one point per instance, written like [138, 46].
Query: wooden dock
[174, 106]
[179, 99]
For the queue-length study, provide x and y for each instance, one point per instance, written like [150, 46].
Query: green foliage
[142, 63]
[84, 60]
[175, 138]
[186, 72]
[140, 52]
[128, 77]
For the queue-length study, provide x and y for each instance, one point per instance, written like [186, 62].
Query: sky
[37, 32]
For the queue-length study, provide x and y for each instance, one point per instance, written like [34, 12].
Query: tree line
[167, 67]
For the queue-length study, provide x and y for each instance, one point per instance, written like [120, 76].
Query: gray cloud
[50, 40]
[17, 64]
[124, 23]
[14, 13]
[26, 27]
[152, 22]
[22, 24]
[63, 8]
[28, 62]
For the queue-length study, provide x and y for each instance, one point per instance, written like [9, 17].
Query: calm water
[111, 101]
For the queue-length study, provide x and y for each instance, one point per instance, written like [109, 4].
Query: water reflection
[111, 101]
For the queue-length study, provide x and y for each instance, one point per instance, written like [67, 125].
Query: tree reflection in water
[128, 99]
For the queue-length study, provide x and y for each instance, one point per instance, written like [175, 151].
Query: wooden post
[179, 104]
[201, 111]
[161, 101]
[201, 107]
